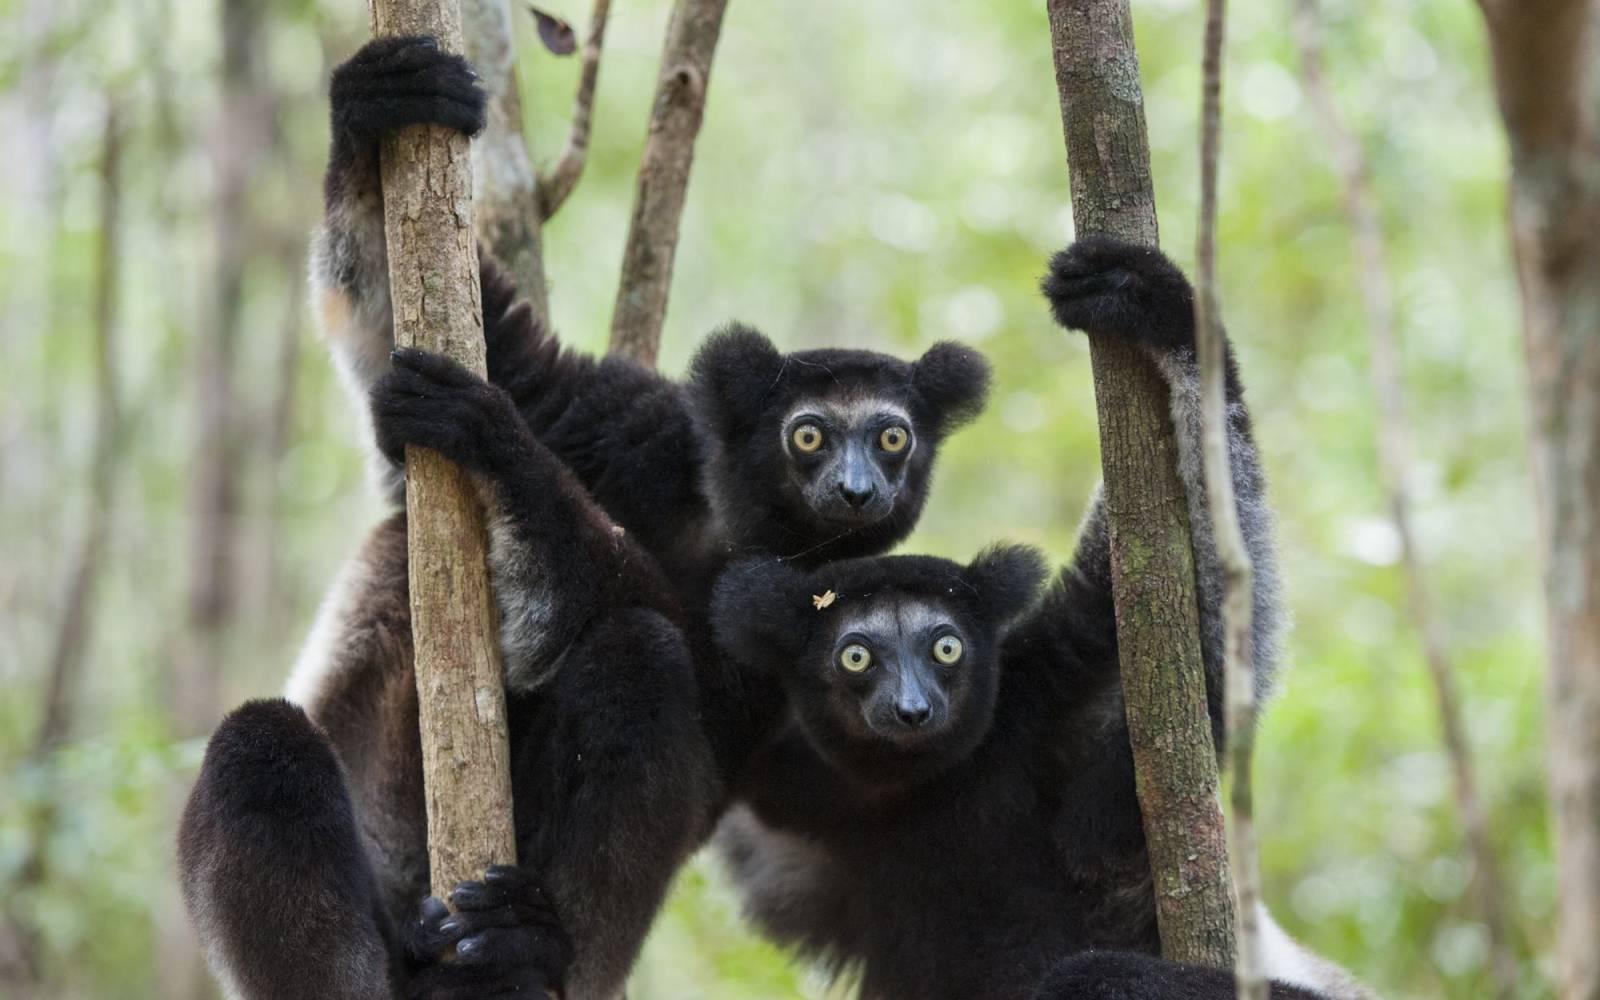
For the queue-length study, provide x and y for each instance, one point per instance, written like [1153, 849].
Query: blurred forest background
[881, 174]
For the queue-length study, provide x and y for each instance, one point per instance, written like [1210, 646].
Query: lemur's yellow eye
[855, 658]
[947, 649]
[894, 439]
[807, 437]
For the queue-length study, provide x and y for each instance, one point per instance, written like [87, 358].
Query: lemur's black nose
[914, 714]
[856, 495]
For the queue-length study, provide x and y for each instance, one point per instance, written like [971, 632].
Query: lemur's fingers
[432, 367]
[395, 82]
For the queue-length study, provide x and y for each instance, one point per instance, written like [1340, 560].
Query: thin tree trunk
[664, 178]
[1152, 559]
[560, 179]
[1546, 56]
[1394, 447]
[1238, 573]
[509, 213]
[243, 132]
[433, 274]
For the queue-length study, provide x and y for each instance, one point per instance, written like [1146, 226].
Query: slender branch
[433, 275]
[1238, 573]
[664, 178]
[1152, 556]
[556, 184]
[1394, 448]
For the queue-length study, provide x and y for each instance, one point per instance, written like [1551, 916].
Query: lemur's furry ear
[954, 379]
[731, 375]
[758, 610]
[1007, 579]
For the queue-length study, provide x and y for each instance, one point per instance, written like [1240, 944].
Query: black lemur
[302, 850]
[950, 807]
[808, 455]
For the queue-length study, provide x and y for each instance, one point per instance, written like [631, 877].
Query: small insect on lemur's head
[825, 454]
[890, 664]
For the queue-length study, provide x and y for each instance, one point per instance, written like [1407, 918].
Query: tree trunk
[243, 132]
[1547, 71]
[1394, 448]
[664, 178]
[433, 275]
[1152, 560]
[1238, 572]
[508, 207]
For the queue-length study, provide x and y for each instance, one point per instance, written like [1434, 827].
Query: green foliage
[884, 174]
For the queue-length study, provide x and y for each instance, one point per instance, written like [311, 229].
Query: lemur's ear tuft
[759, 611]
[954, 380]
[732, 374]
[1007, 579]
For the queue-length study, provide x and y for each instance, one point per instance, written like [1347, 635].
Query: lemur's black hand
[1109, 288]
[395, 82]
[429, 401]
[504, 940]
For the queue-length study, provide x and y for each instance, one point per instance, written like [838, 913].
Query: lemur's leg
[1116, 975]
[1114, 289]
[612, 776]
[283, 894]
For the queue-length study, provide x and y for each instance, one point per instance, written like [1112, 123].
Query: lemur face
[891, 664]
[825, 454]
[848, 457]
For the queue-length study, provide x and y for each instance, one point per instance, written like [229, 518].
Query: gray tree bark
[1546, 56]
[1152, 559]
[664, 178]
[433, 277]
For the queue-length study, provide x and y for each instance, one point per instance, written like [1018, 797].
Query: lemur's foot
[394, 82]
[1109, 288]
[429, 401]
[504, 940]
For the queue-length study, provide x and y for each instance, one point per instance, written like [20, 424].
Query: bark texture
[1238, 572]
[433, 275]
[664, 178]
[508, 204]
[560, 179]
[1394, 449]
[1546, 57]
[1152, 560]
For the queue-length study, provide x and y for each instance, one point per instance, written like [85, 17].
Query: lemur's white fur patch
[528, 606]
[1287, 960]
[319, 654]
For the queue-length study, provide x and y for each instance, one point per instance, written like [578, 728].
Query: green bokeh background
[880, 174]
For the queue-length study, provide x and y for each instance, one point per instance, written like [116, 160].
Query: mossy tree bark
[1546, 57]
[1152, 560]
[433, 277]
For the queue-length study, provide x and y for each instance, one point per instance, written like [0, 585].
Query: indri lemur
[615, 687]
[950, 808]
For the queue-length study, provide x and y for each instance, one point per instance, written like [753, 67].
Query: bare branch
[555, 185]
[1394, 449]
[1238, 573]
[1152, 558]
[433, 274]
[664, 178]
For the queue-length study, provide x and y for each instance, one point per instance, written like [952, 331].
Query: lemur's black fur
[952, 829]
[612, 777]
[615, 495]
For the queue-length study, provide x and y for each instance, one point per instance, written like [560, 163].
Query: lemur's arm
[557, 561]
[1114, 289]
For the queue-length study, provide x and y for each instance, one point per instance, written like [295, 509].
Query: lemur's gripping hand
[429, 401]
[1109, 288]
[504, 940]
[395, 82]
